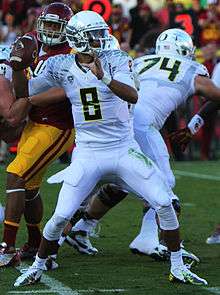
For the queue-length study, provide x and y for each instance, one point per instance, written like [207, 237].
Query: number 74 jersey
[165, 83]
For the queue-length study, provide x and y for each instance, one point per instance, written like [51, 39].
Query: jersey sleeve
[52, 76]
[216, 75]
[123, 69]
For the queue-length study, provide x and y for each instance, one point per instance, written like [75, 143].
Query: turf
[115, 267]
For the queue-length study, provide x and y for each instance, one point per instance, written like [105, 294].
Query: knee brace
[167, 218]
[54, 227]
[110, 195]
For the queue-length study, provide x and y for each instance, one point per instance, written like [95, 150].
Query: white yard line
[55, 286]
[196, 175]
[49, 291]
[213, 290]
[102, 291]
[188, 204]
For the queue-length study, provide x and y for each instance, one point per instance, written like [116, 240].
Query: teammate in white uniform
[99, 89]
[166, 81]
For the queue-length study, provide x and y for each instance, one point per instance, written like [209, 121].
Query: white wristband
[195, 124]
[106, 79]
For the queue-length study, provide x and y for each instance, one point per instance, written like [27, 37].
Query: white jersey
[5, 68]
[99, 116]
[165, 83]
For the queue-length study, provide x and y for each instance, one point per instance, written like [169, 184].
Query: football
[23, 53]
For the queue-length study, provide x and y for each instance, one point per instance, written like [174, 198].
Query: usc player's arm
[20, 108]
[41, 91]
[20, 83]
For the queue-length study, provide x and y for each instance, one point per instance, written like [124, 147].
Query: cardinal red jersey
[58, 115]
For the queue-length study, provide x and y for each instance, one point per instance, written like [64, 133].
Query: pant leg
[153, 145]
[143, 177]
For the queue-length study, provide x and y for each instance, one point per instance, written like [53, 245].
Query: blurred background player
[47, 135]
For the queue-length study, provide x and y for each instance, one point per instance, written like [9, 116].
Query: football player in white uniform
[166, 81]
[99, 88]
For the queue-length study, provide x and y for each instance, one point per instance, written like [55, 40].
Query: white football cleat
[80, 241]
[183, 275]
[31, 276]
[213, 239]
[189, 258]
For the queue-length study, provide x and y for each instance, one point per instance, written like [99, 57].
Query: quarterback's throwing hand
[181, 138]
[95, 67]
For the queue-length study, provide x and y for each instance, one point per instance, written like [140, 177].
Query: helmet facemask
[88, 41]
[47, 34]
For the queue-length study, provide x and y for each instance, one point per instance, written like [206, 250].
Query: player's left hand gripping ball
[24, 51]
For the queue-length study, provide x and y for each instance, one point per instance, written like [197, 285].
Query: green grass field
[115, 269]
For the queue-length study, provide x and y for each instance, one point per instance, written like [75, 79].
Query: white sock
[39, 262]
[176, 259]
[86, 225]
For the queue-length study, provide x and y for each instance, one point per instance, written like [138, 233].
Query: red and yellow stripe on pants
[38, 147]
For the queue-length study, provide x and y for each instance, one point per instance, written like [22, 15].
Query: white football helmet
[87, 32]
[175, 42]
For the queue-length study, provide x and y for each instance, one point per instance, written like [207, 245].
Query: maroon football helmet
[51, 24]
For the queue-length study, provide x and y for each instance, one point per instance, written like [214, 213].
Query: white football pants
[124, 165]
